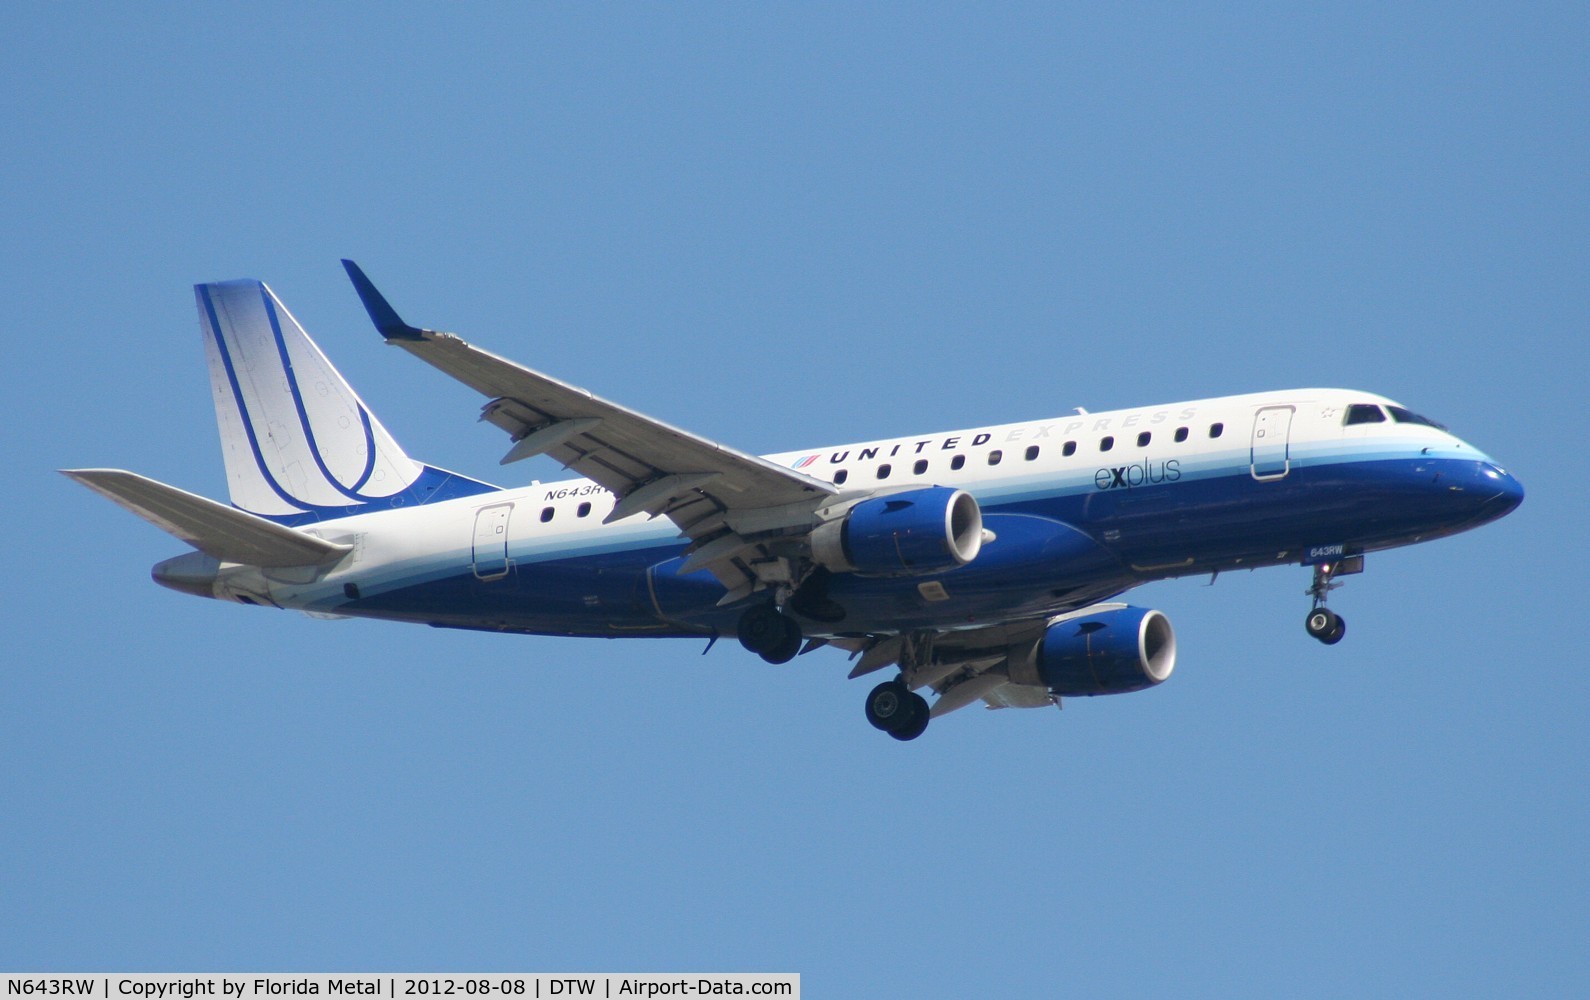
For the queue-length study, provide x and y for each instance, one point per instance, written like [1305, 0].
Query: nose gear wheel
[1322, 623]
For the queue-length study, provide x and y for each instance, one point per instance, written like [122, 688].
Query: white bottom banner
[400, 986]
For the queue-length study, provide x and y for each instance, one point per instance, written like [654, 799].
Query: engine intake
[912, 533]
[1107, 652]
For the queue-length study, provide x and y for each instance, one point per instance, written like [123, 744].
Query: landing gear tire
[760, 627]
[886, 705]
[898, 711]
[787, 644]
[919, 720]
[773, 636]
[1326, 625]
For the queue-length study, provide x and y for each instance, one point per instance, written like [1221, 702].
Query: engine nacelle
[903, 534]
[1108, 652]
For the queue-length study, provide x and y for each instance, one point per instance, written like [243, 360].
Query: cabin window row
[958, 462]
[997, 455]
[583, 510]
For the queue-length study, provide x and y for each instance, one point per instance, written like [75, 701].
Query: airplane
[979, 564]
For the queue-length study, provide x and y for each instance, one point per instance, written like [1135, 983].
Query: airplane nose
[1475, 493]
[1509, 491]
[1490, 490]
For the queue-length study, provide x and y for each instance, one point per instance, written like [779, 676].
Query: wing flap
[620, 449]
[611, 444]
[215, 529]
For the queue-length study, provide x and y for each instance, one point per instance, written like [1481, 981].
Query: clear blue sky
[784, 226]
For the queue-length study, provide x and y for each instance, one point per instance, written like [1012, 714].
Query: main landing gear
[769, 633]
[897, 710]
[1322, 623]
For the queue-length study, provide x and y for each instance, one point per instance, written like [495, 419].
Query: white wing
[731, 504]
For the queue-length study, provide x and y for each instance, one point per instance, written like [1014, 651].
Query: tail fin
[300, 446]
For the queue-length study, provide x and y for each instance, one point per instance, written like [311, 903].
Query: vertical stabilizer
[300, 446]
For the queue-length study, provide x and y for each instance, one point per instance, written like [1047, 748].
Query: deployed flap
[626, 449]
[215, 529]
[650, 465]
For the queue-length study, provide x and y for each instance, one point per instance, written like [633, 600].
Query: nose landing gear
[1322, 623]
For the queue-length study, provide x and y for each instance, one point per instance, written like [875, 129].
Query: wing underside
[732, 505]
[960, 666]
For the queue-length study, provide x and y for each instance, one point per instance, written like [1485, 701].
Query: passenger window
[1069, 449]
[1215, 430]
[1364, 413]
[1144, 438]
[958, 462]
[884, 470]
[1181, 434]
[585, 509]
[546, 514]
[920, 467]
[1032, 452]
[1105, 444]
[840, 477]
[995, 456]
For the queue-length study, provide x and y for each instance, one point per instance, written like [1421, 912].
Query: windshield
[1403, 416]
[1364, 413]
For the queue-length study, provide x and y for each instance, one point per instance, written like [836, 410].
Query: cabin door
[491, 541]
[1271, 455]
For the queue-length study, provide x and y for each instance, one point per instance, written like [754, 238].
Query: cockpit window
[1402, 416]
[1364, 413]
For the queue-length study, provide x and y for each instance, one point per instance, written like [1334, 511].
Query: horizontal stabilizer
[215, 529]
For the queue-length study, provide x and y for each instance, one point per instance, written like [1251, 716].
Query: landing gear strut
[897, 710]
[1322, 623]
[769, 633]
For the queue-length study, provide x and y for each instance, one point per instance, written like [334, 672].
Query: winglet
[381, 312]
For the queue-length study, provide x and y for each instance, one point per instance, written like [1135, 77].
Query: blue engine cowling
[1109, 652]
[910, 533]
